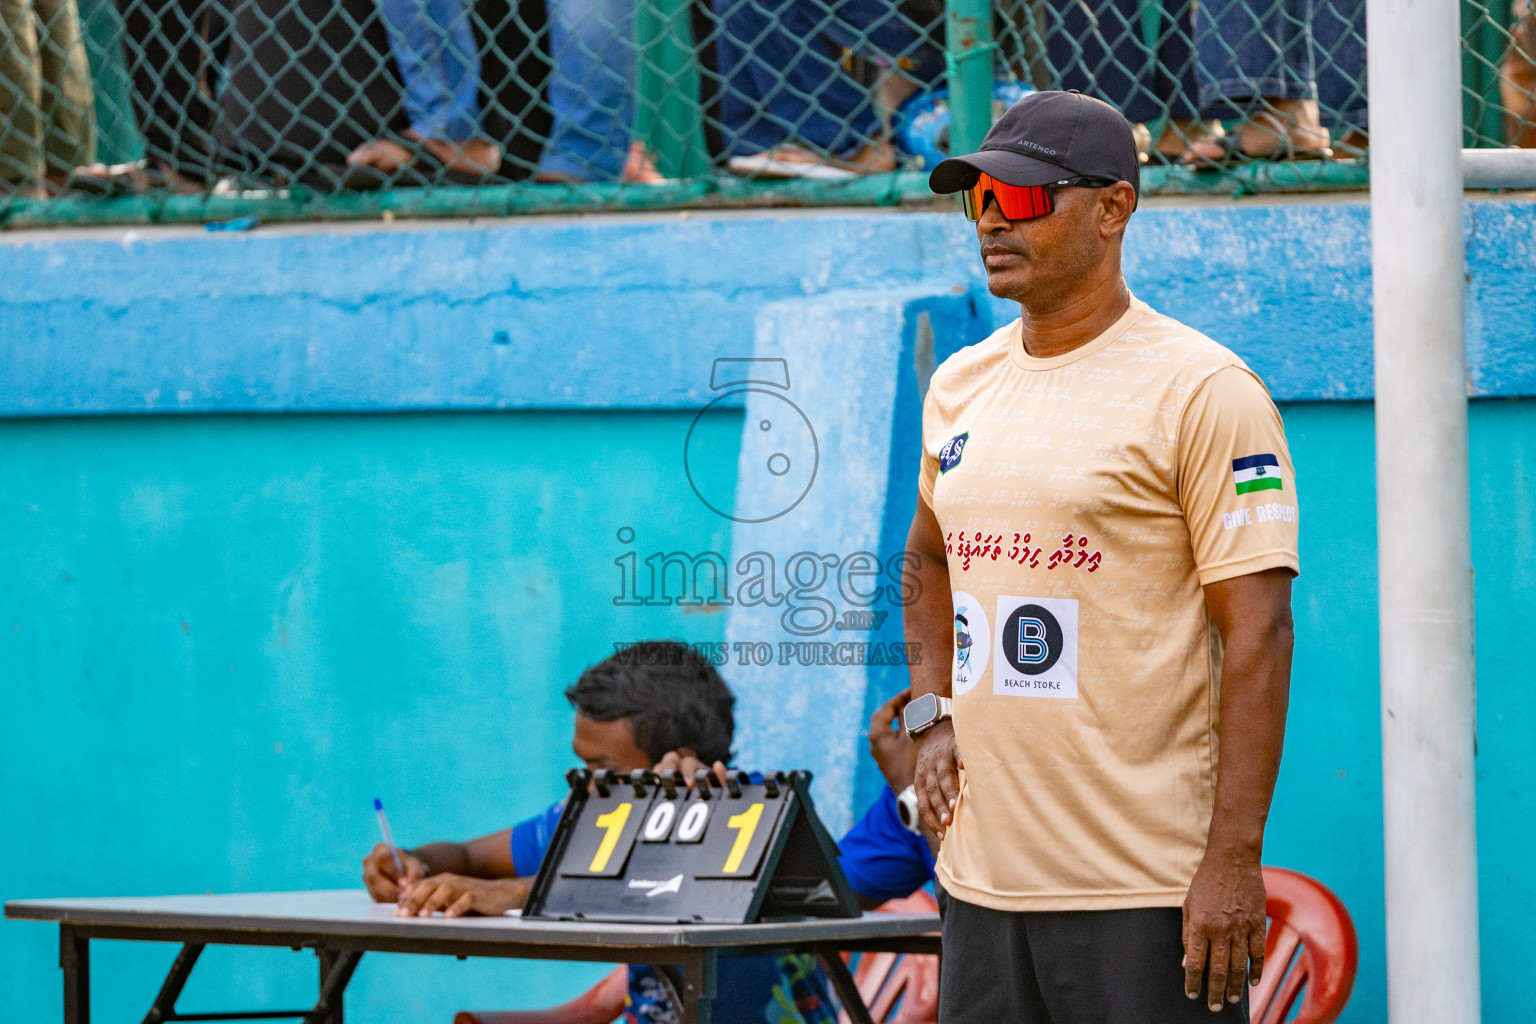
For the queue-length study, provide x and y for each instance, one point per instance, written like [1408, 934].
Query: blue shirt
[751, 989]
[883, 861]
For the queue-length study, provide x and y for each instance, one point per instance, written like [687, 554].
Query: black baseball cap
[1045, 137]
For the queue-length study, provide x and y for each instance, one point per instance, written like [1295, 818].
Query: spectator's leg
[434, 49]
[592, 89]
[1517, 78]
[68, 98]
[1242, 49]
[21, 120]
[1339, 38]
[748, 31]
[1176, 86]
[170, 59]
[804, 86]
[1100, 50]
[1258, 63]
[905, 50]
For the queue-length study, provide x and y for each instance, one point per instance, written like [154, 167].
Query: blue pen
[389, 840]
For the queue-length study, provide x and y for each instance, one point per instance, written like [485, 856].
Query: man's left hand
[1224, 924]
[894, 753]
[456, 895]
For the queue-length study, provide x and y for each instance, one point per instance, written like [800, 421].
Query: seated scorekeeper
[631, 710]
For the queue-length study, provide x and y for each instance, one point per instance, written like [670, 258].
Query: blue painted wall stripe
[575, 314]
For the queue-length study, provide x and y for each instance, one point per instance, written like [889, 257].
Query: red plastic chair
[900, 989]
[1310, 953]
[603, 1003]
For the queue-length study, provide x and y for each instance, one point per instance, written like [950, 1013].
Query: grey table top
[351, 912]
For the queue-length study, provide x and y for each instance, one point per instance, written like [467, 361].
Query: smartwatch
[923, 713]
[906, 810]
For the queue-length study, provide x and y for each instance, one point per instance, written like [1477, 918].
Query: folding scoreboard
[643, 847]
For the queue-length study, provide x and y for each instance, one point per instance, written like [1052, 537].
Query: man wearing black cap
[1108, 500]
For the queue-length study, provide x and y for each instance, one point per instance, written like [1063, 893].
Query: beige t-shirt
[1085, 500]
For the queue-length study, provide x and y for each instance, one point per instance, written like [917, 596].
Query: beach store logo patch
[949, 455]
[1036, 654]
[973, 643]
[1257, 473]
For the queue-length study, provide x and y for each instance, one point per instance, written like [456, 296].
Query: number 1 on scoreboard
[614, 822]
[745, 824]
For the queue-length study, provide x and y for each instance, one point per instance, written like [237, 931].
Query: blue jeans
[434, 48]
[592, 88]
[1102, 51]
[782, 74]
[1289, 49]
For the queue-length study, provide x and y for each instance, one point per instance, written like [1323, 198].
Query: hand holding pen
[388, 871]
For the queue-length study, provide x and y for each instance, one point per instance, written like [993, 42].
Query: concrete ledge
[620, 312]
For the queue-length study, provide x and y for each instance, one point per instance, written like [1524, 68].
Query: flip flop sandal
[1155, 157]
[1230, 154]
[1233, 153]
[420, 170]
[123, 183]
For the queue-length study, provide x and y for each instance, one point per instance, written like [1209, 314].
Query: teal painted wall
[396, 602]
[396, 594]
[223, 636]
[1327, 812]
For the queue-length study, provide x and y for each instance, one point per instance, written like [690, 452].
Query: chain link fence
[183, 110]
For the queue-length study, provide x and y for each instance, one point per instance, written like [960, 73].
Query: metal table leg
[336, 967]
[164, 1007]
[75, 960]
[698, 990]
[847, 989]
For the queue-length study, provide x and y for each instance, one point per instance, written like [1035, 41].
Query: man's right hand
[382, 878]
[938, 777]
[688, 763]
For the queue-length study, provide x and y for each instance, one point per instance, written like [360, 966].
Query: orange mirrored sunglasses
[1018, 202]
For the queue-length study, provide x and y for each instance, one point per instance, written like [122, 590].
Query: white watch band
[906, 810]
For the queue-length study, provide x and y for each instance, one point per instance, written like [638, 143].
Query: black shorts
[1068, 967]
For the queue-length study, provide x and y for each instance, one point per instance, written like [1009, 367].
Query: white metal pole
[1427, 681]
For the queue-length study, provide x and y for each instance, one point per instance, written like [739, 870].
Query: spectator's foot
[1177, 138]
[474, 157]
[792, 161]
[1284, 130]
[129, 179]
[418, 161]
[23, 189]
[640, 167]
[1353, 144]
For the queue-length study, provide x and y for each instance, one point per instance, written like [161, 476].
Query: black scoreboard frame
[648, 848]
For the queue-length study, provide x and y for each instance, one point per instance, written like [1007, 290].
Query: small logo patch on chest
[949, 455]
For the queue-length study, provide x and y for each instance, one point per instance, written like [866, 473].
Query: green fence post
[669, 118]
[968, 61]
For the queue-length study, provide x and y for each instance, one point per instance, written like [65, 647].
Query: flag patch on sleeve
[1257, 473]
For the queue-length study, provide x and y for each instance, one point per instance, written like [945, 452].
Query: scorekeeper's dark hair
[671, 694]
